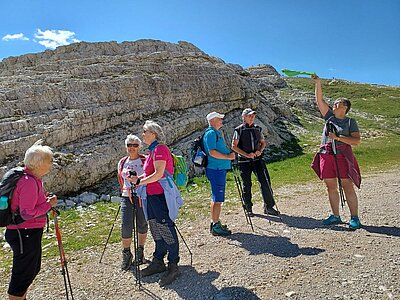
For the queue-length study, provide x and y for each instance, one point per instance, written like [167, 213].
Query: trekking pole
[240, 191]
[190, 252]
[332, 128]
[109, 234]
[135, 201]
[342, 198]
[63, 260]
[269, 186]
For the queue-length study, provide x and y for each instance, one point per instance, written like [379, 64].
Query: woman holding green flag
[335, 163]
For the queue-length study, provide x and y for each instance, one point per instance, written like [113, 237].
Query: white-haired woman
[30, 200]
[133, 162]
[161, 202]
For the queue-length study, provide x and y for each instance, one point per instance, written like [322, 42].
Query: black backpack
[7, 186]
[197, 153]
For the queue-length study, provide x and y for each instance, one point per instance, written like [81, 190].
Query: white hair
[133, 138]
[156, 129]
[36, 155]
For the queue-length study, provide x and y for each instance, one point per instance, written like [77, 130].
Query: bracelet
[138, 181]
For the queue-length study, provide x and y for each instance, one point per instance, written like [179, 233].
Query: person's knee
[217, 204]
[143, 228]
[126, 232]
[331, 184]
[348, 184]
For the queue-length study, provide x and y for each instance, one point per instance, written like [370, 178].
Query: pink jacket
[31, 200]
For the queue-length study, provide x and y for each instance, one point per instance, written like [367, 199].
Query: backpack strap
[119, 175]
[166, 174]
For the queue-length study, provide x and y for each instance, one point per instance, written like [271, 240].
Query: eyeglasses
[338, 103]
[132, 145]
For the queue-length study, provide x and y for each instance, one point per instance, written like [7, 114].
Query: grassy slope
[376, 109]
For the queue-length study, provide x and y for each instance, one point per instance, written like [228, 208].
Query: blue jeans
[162, 229]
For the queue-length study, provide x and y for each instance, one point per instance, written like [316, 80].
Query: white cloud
[54, 38]
[16, 36]
[332, 69]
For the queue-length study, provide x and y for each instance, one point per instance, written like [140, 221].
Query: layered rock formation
[83, 99]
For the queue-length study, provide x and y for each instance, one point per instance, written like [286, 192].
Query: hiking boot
[220, 230]
[249, 213]
[156, 266]
[171, 275]
[354, 223]
[332, 220]
[271, 211]
[139, 256]
[222, 225]
[126, 260]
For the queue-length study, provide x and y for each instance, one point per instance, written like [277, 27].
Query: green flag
[291, 73]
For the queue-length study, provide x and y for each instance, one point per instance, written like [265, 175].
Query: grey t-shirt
[343, 127]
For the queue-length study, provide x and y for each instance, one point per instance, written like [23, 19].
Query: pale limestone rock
[84, 98]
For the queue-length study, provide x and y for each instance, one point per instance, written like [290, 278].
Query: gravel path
[297, 258]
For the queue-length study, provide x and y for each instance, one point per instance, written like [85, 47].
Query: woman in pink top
[159, 163]
[30, 200]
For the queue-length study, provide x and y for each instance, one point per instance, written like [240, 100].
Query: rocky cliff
[83, 99]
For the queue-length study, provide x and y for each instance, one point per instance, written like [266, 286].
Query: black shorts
[26, 265]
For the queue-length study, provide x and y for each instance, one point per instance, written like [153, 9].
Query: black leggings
[26, 265]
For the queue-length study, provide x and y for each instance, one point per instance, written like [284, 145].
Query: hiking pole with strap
[109, 234]
[63, 260]
[190, 252]
[334, 150]
[240, 191]
[135, 201]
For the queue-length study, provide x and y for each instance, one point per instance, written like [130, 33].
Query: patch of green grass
[373, 99]
[379, 154]
[80, 228]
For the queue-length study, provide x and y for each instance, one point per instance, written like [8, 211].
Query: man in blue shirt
[219, 161]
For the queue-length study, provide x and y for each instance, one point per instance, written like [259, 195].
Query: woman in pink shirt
[159, 163]
[29, 199]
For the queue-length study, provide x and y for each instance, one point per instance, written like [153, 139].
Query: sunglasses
[132, 145]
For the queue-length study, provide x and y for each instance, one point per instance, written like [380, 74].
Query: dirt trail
[297, 258]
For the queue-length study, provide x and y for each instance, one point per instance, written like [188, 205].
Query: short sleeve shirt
[160, 152]
[343, 127]
[213, 140]
[129, 165]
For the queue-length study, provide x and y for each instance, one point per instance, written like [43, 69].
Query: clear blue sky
[357, 40]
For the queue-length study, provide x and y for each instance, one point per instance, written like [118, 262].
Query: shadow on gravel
[236, 292]
[386, 230]
[275, 245]
[303, 222]
[202, 287]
